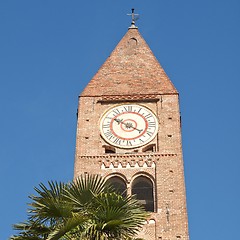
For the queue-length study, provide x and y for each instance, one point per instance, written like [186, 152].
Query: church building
[129, 131]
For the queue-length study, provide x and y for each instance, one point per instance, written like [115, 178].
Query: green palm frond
[51, 204]
[68, 226]
[86, 209]
[21, 237]
[115, 216]
[31, 231]
[83, 189]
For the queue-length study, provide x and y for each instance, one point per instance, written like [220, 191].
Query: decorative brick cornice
[130, 98]
[142, 97]
[114, 161]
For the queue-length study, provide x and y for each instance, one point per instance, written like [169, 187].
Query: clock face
[128, 126]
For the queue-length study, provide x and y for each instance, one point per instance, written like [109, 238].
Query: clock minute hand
[139, 130]
[130, 125]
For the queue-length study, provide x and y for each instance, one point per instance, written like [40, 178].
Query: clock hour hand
[118, 120]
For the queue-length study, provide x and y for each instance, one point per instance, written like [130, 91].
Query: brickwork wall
[164, 167]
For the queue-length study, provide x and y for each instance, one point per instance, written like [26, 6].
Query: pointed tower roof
[131, 69]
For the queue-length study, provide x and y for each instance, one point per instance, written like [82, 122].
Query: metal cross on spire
[133, 18]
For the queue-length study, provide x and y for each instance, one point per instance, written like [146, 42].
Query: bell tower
[129, 131]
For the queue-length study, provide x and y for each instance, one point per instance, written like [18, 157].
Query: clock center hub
[128, 125]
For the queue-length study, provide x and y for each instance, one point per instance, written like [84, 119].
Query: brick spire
[131, 69]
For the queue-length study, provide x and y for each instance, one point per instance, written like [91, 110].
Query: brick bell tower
[129, 131]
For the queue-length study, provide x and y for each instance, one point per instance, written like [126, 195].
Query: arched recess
[142, 187]
[118, 184]
[109, 149]
[132, 42]
[149, 148]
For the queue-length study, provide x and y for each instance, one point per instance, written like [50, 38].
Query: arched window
[119, 185]
[142, 187]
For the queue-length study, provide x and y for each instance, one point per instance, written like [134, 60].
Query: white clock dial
[128, 126]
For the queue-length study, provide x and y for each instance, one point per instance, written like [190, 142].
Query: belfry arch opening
[142, 187]
[118, 184]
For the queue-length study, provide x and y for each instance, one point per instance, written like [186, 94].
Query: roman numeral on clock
[107, 125]
[108, 134]
[117, 141]
[151, 124]
[116, 111]
[149, 133]
[128, 108]
[148, 115]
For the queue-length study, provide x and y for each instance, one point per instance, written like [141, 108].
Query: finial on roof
[133, 15]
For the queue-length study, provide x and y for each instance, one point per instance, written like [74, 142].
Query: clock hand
[128, 125]
[139, 130]
[118, 120]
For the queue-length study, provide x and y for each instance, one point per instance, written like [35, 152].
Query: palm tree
[86, 209]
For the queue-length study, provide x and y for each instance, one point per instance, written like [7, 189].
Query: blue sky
[49, 50]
